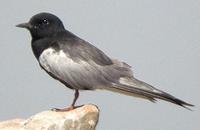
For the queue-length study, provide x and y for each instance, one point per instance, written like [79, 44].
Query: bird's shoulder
[80, 50]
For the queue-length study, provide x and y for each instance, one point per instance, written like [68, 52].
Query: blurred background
[159, 39]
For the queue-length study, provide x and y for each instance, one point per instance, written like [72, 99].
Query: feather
[149, 92]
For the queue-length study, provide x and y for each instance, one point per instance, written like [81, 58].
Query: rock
[82, 118]
[14, 124]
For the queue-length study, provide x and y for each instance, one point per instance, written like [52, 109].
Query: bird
[80, 65]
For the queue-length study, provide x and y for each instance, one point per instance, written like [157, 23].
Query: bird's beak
[24, 25]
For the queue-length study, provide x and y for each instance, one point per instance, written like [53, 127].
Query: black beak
[24, 25]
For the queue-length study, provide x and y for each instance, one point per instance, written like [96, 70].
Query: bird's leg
[76, 95]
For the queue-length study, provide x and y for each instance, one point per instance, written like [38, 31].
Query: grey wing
[78, 74]
[93, 65]
[81, 65]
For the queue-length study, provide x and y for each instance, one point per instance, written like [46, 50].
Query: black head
[43, 25]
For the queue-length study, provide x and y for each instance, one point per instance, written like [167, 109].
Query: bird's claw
[64, 109]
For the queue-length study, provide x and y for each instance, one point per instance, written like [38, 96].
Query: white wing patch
[78, 74]
[50, 59]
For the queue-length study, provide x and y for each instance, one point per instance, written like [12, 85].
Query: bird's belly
[78, 74]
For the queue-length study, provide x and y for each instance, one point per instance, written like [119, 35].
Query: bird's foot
[64, 109]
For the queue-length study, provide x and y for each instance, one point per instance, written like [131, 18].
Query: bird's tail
[143, 90]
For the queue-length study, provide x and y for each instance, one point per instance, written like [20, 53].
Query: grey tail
[152, 95]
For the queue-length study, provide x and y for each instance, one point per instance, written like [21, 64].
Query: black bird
[81, 66]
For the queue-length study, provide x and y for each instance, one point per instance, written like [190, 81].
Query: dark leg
[76, 95]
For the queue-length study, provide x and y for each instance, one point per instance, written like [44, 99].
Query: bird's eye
[41, 23]
[45, 21]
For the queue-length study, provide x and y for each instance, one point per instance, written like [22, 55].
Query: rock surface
[82, 118]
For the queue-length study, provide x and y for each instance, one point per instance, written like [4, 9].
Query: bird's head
[43, 25]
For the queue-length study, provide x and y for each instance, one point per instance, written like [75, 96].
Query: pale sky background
[159, 39]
